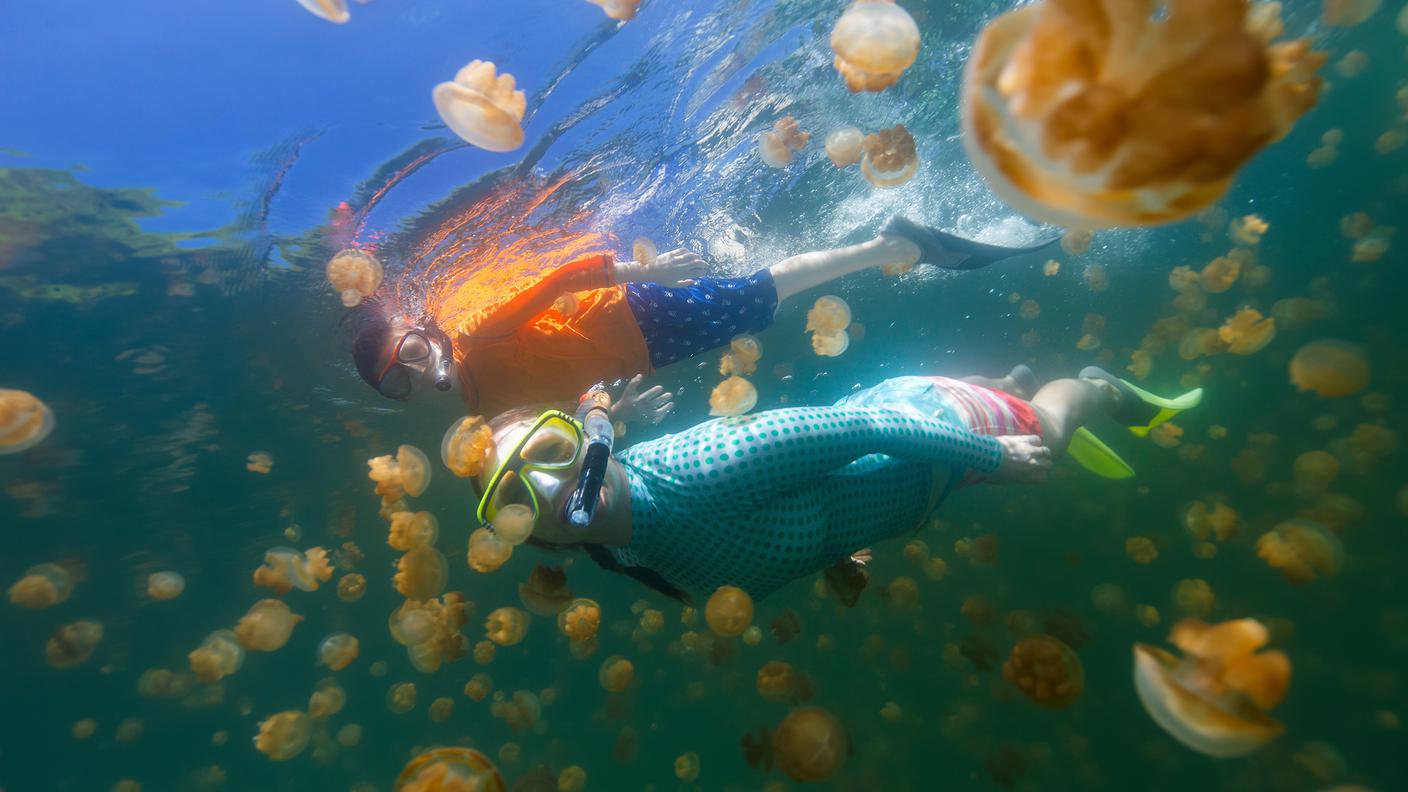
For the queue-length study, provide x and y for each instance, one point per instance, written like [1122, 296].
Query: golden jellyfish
[776, 145]
[1293, 313]
[349, 736]
[1200, 341]
[484, 652]
[482, 107]
[1166, 435]
[687, 767]
[1330, 368]
[337, 651]
[1352, 64]
[875, 41]
[616, 673]
[1247, 230]
[644, 252]
[267, 625]
[466, 446]
[1373, 246]
[1051, 268]
[165, 585]
[351, 587]
[619, 10]
[513, 524]
[1030, 309]
[545, 593]
[733, 396]
[729, 611]
[410, 530]
[1077, 240]
[890, 157]
[1314, 472]
[506, 626]
[1141, 549]
[42, 585]
[332, 10]
[580, 620]
[286, 568]
[1247, 332]
[354, 275]
[843, 146]
[1141, 364]
[809, 745]
[327, 700]
[831, 344]
[776, 681]
[1220, 273]
[1046, 670]
[1220, 521]
[744, 352]
[1348, 13]
[72, 644]
[284, 735]
[487, 552]
[401, 697]
[1194, 597]
[1303, 550]
[219, 655]
[421, 573]
[1213, 699]
[450, 770]
[828, 315]
[24, 421]
[1099, 115]
[440, 709]
[1096, 277]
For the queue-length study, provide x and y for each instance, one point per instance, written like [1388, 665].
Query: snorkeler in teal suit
[757, 501]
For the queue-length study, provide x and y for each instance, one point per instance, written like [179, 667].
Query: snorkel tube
[593, 411]
[441, 370]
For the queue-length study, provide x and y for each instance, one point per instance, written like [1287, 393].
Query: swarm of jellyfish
[1099, 115]
[875, 41]
[482, 107]
[354, 274]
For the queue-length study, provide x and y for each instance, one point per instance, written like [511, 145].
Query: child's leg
[1065, 405]
[805, 270]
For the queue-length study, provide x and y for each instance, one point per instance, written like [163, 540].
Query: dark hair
[372, 331]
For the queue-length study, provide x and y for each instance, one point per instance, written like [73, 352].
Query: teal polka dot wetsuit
[757, 501]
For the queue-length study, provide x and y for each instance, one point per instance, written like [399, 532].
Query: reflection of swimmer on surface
[629, 319]
[760, 500]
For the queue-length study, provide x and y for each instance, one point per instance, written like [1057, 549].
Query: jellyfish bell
[1046, 670]
[410, 530]
[487, 552]
[829, 314]
[1212, 699]
[332, 10]
[729, 611]
[337, 651]
[810, 744]
[545, 593]
[218, 656]
[421, 573]
[482, 107]
[619, 10]
[831, 344]
[25, 421]
[843, 146]
[890, 157]
[875, 41]
[1303, 550]
[1349, 13]
[165, 585]
[466, 446]
[616, 673]
[415, 471]
[513, 524]
[506, 626]
[411, 624]
[580, 620]
[72, 644]
[267, 625]
[284, 735]
[1330, 368]
[450, 769]
[644, 252]
[1247, 332]
[1082, 115]
[42, 585]
[354, 275]
[733, 396]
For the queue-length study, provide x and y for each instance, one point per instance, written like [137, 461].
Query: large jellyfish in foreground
[24, 421]
[809, 744]
[875, 42]
[1213, 698]
[482, 107]
[354, 275]
[447, 769]
[1129, 112]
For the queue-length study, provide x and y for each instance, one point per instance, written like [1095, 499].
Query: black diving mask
[421, 353]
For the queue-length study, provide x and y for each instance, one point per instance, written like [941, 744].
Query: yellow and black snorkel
[594, 415]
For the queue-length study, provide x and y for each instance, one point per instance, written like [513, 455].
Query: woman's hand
[1024, 460]
[649, 407]
[674, 268]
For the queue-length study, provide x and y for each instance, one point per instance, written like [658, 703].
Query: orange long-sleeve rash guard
[522, 351]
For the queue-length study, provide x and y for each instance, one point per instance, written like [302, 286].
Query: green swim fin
[1142, 410]
[1093, 455]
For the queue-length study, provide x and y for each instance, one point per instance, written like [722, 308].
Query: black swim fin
[954, 252]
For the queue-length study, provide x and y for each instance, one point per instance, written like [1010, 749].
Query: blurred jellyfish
[285, 735]
[890, 157]
[401, 697]
[1096, 277]
[1348, 13]
[875, 41]
[482, 107]
[572, 779]
[1303, 550]
[43, 585]
[733, 396]
[776, 681]
[513, 524]
[809, 745]
[619, 10]
[1141, 549]
[332, 10]
[72, 644]
[687, 767]
[447, 769]
[744, 352]
[337, 651]
[1220, 273]
[1076, 241]
[729, 611]
[351, 587]
[1046, 670]
[165, 585]
[487, 552]
[831, 344]
[466, 445]
[580, 620]
[421, 573]
[843, 146]
[410, 530]
[349, 736]
[1247, 332]
[327, 700]
[1030, 309]
[1330, 368]
[219, 655]
[478, 687]
[267, 626]
[1314, 472]
[545, 593]
[24, 421]
[776, 146]
[1247, 230]
[1194, 597]
[1089, 116]
[1213, 698]
[644, 252]
[616, 673]
[440, 709]
[484, 652]
[506, 626]
[354, 275]
[286, 568]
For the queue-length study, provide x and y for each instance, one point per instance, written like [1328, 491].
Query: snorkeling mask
[420, 352]
[537, 467]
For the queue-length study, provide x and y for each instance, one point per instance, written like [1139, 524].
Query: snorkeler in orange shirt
[625, 320]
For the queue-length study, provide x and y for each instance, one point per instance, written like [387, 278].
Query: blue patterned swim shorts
[680, 322]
